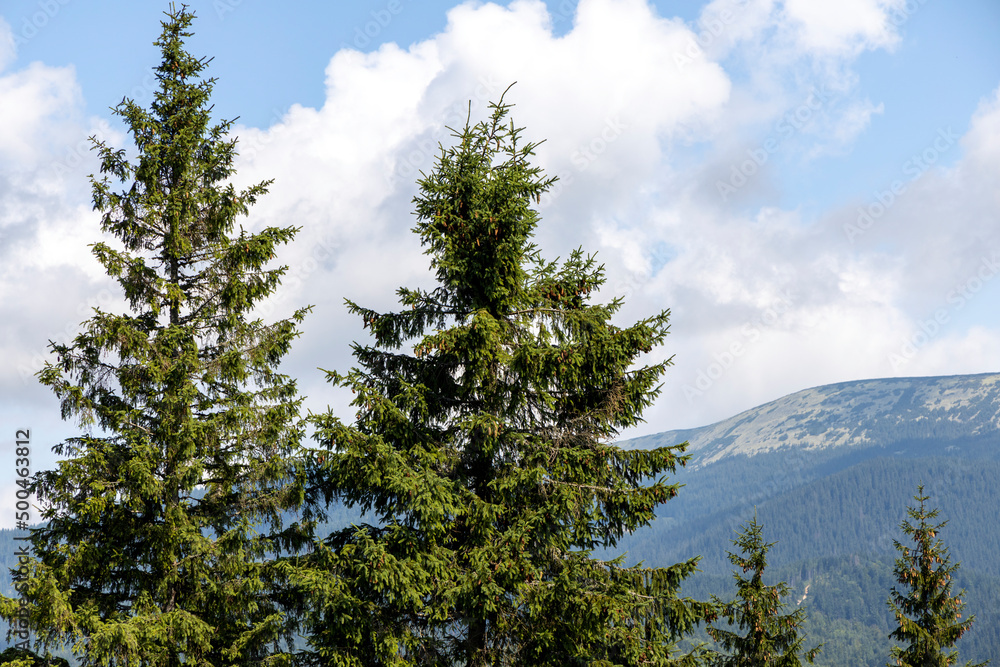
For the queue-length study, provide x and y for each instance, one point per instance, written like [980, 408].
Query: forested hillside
[846, 606]
[852, 511]
[831, 487]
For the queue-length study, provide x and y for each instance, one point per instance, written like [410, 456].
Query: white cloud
[602, 96]
[611, 98]
[982, 142]
[844, 27]
[37, 104]
[974, 351]
[48, 278]
[724, 24]
[932, 250]
[854, 120]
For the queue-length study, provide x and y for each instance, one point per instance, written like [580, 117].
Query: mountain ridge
[856, 413]
[829, 472]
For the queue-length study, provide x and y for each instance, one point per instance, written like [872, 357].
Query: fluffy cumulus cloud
[878, 287]
[982, 143]
[606, 98]
[48, 280]
[643, 117]
[871, 288]
[47, 275]
[847, 26]
[946, 224]
[601, 96]
[641, 120]
[36, 104]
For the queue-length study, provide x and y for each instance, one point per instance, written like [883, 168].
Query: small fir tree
[150, 554]
[20, 657]
[929, 616]
[486, 453]
[772, 638]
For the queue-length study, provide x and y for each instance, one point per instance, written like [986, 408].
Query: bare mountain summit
[859, 414]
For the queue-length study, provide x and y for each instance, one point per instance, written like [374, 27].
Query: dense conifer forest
[845, 602]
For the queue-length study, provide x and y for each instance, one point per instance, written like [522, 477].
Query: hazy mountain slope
[830, 471]
[854, 511]
[845, 467]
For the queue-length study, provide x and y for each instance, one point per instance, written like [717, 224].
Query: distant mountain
[829, 472]
[956, 410]
[796, 440]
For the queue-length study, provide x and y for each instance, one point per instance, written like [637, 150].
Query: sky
[810, 188]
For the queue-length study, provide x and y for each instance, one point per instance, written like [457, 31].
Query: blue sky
[810, 187]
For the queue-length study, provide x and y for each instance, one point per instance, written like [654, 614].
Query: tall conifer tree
[486, 453]
[929, 616]
[772, 638]
[151, 553]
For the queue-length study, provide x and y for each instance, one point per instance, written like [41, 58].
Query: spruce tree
[20, 657]
[772, 638]
[483, 445]
[929, 616]
[158, 519]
